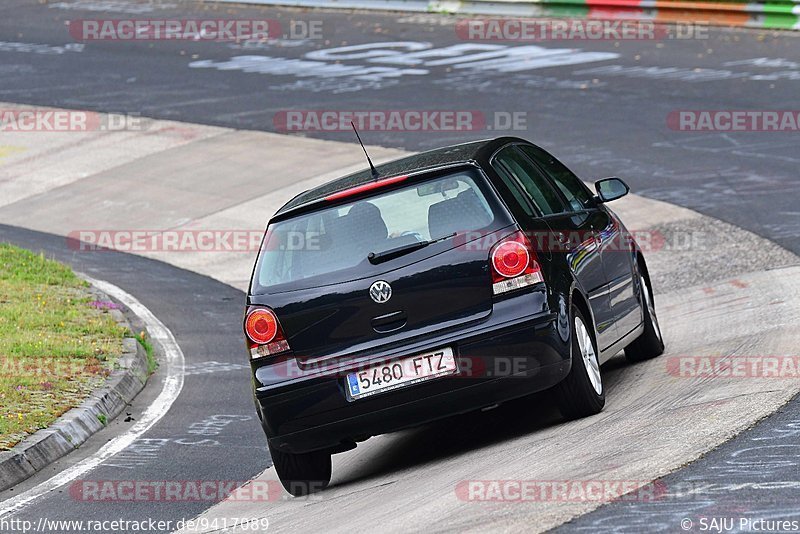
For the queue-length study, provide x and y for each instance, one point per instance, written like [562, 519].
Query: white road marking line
[173, 384]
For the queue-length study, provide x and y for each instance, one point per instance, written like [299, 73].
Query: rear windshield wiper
[379, 257]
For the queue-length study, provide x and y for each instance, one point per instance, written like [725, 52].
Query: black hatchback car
[447, 282]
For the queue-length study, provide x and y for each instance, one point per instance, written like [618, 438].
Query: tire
[650, 343]
[581, 393]
[302, 474]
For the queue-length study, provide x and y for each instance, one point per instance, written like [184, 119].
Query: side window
[570, 185]
[520, 202]
[531, 180]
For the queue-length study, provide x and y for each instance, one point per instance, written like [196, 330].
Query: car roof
[475, 151]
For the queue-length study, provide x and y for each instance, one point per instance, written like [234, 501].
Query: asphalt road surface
[601, 106]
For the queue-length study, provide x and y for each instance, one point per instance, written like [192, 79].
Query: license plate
[401, 373]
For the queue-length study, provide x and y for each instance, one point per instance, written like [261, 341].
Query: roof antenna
[375, 174]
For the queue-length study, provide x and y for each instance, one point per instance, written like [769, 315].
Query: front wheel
[650, 343]
[581, 393]
[302, 474]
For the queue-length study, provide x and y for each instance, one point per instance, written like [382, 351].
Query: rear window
[313, 248]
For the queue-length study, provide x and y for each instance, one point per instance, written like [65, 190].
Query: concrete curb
[73, 428]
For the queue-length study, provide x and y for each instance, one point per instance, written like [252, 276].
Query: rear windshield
[325, 246]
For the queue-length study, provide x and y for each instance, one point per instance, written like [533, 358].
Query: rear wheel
[650, 343]
[581, 393]
[302, 474]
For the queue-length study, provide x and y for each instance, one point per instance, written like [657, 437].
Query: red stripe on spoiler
[365, 187]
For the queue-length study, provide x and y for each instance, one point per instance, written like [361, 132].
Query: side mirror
[609, 189]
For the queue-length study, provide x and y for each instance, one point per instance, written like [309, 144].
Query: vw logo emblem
[380, 291]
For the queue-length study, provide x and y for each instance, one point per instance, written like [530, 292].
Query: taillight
[264, 332]
[510, 259]
[261, 326]
[514, 264]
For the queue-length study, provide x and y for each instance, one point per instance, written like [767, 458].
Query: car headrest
[364, 222]
[462, 213]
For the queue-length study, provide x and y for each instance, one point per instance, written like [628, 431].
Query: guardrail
[781, 14]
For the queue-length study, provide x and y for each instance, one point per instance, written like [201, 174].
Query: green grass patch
[57, 344]
[147, 345]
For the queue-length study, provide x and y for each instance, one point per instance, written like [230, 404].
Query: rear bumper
[498, 361]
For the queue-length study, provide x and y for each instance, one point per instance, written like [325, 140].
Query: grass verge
[57, 343]
[147, 345]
